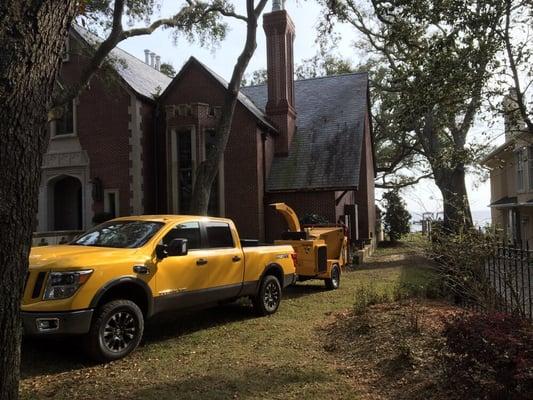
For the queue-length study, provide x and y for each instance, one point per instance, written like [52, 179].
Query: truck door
[225, 260]
[180, 279]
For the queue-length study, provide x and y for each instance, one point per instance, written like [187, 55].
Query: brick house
[130, 143]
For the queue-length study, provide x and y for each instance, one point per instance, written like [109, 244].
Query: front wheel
[115, 332]
[334, 280]
[267, 301]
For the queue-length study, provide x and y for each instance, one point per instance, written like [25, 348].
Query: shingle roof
[326, 150]
[140, 77]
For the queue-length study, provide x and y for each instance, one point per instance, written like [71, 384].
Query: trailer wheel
[267, 300]
[334, 281]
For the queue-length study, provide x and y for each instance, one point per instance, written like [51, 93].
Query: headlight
[62, 285]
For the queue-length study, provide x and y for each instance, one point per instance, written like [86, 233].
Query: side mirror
[161, 251]
[177, 247]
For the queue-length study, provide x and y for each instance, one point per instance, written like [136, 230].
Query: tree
[207, 170]
[258, 77]
[32, 35]
[436, 58]
[515, 75]
[324, 63]
[397, 218]
[168, 70]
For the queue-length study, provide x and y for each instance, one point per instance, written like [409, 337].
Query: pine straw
[393, 351]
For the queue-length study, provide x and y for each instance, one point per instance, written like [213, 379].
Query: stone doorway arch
[65, 203]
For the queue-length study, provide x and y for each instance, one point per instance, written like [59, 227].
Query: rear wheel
[115, 332]
[267, 301]
[334, 280]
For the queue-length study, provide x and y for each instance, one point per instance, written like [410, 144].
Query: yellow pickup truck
[108, 281]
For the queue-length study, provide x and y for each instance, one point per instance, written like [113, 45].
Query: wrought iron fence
[509, 270]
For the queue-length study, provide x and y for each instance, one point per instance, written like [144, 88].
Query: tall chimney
[158, 63]
[147, 56]
[280, 33]
[152, 57]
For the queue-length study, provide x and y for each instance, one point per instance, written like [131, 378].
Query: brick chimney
[279, 30]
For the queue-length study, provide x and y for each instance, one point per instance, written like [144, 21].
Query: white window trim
[107, 207]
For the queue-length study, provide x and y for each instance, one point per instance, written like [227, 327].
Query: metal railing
[509, 271]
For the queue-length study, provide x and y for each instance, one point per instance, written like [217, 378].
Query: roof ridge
[314, 78]
[117, 48]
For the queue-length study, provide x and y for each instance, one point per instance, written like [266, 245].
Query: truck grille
[322, 259]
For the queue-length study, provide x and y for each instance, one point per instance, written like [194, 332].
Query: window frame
[107, 206]
[74, 133]
[520, 171]
[201, 244]
[206, 237]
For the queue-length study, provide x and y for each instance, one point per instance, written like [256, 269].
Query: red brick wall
[148, 158]
[365, 195]
[102, 127]
[321, 203]
[243, 157]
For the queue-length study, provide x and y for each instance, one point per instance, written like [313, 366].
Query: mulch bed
[393, 350]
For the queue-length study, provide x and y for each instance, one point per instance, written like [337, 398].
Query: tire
[115, 331]
[334, 281]
[268, 299]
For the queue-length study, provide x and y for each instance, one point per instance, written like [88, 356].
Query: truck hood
[69, 256]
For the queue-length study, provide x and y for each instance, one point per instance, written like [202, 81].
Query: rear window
[219, 235]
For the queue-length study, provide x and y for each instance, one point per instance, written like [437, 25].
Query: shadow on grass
[44, 356]
[249, 382]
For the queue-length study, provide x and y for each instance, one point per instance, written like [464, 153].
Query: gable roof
[243, 99]
[326, 150]
[139, 76]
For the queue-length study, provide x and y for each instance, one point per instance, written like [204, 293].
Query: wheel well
[274, 269]
[126, 291]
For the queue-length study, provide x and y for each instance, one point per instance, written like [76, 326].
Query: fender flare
[120, 281]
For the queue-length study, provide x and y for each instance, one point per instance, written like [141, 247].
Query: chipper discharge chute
[322, 251]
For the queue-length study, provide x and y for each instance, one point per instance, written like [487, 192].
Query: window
[65, 124]
[530, 166]
[187, 230]
[111, 203]
[119, 234]
[219, 235]
[185, 171]
[213, 208]
[519, 170]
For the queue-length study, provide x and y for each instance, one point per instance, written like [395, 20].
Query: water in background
[481, 219]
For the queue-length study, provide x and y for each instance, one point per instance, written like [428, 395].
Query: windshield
[119, 234]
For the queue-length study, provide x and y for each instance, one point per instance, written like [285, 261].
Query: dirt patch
[393, 351]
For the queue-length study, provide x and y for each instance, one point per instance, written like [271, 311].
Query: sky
[423, 197]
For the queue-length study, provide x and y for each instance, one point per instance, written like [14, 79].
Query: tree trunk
[32, 34]
[451, 182]
[208, 169]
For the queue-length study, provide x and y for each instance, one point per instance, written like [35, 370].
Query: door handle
[236, 259]
[201, 261]
[141, 269]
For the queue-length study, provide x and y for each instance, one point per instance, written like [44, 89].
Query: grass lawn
[224, 352]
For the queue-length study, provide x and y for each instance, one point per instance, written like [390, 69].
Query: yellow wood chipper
[322, 251]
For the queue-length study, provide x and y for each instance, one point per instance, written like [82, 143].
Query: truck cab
[108, 281]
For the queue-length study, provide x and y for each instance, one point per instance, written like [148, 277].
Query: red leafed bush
[493, 352]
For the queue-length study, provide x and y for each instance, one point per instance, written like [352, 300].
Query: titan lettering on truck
[106, 283]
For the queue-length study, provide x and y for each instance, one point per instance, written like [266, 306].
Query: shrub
[397, 218]
[461, 265]
[492, 348]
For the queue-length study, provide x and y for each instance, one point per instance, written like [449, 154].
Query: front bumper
[57, 323]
